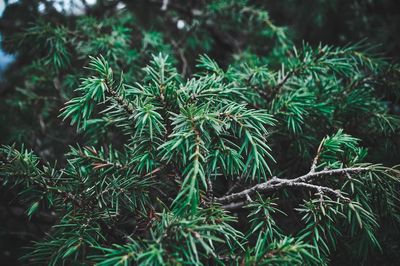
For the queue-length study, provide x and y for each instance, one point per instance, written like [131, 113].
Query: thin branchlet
[277, 183]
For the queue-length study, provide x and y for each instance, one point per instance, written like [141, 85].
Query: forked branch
[236, 200]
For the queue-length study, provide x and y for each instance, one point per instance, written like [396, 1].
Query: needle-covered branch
[162, 160]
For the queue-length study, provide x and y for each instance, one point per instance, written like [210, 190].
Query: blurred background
[46, 44]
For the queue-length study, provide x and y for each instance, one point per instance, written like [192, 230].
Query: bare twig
[235, 185]
[322, 189]
[316, 158]
[181, 54]
[301, 181]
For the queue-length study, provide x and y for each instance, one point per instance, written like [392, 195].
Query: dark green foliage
[181, 140]
[266, 151]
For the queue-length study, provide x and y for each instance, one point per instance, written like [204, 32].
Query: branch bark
[231, 201]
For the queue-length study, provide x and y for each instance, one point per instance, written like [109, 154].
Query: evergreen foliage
[279, 154]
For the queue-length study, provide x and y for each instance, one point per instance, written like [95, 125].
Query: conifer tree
[274, 157]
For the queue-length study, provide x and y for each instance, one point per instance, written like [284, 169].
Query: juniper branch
[278, 183]
[119, 99]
